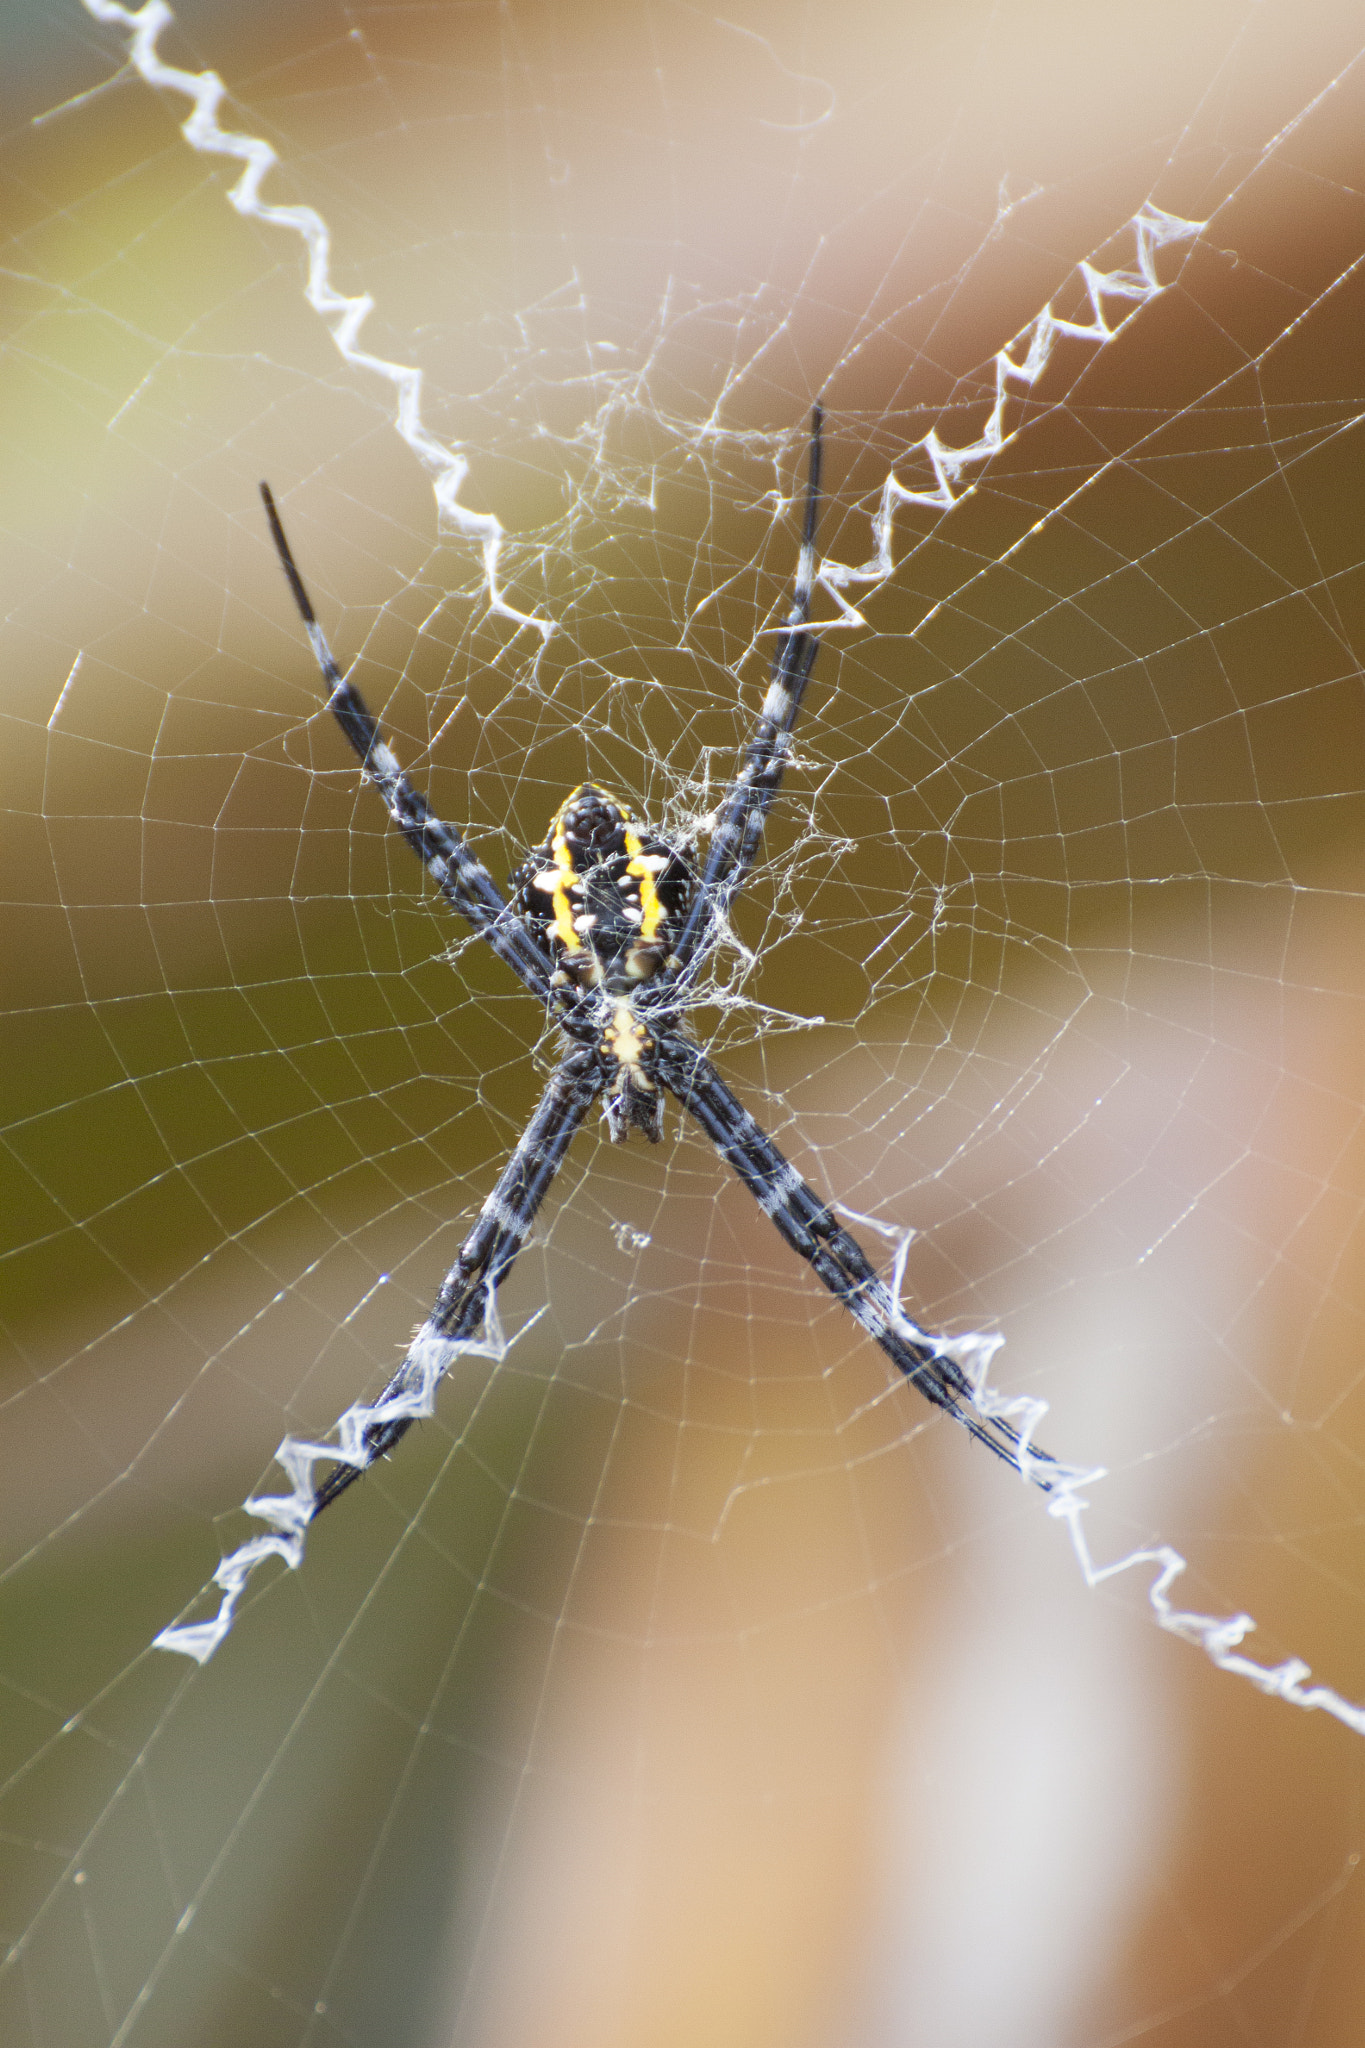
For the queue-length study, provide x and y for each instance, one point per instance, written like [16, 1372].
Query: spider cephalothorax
[608, 901]
[607, 928]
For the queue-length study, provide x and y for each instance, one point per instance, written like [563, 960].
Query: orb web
[682, 1629]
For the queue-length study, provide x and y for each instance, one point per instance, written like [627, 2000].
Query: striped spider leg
[504, 1222]
[461, 878]
[805, 1222]
[469, 1289]
[744, 810]
[833, 1254]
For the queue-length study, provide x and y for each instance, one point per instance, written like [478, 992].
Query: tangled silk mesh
[1048, 977]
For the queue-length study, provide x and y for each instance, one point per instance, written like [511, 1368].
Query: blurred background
[684, 1679]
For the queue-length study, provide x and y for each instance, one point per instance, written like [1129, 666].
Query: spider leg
[485, 1258]
[744, 811]
[833, 1254]
[462, 879]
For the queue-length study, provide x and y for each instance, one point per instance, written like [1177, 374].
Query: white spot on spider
[507, 1218]
[784, 1185]
[871, 1314]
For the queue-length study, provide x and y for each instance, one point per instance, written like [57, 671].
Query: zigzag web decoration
[1115, 297]
[447, 467]
[1018, 366]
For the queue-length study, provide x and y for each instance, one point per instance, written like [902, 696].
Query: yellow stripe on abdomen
[651, 909]
[566, 874]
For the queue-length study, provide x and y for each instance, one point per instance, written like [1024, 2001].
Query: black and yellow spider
[607, 926]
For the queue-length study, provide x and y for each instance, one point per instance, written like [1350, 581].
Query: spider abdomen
[608, 902]
[607, 899]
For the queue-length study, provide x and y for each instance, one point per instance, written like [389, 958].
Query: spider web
[682, 1677]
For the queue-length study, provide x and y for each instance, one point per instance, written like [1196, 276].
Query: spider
[608, 926]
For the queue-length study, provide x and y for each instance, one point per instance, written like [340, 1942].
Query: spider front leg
[461, 877]
[743, 813]
[485, 1258]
